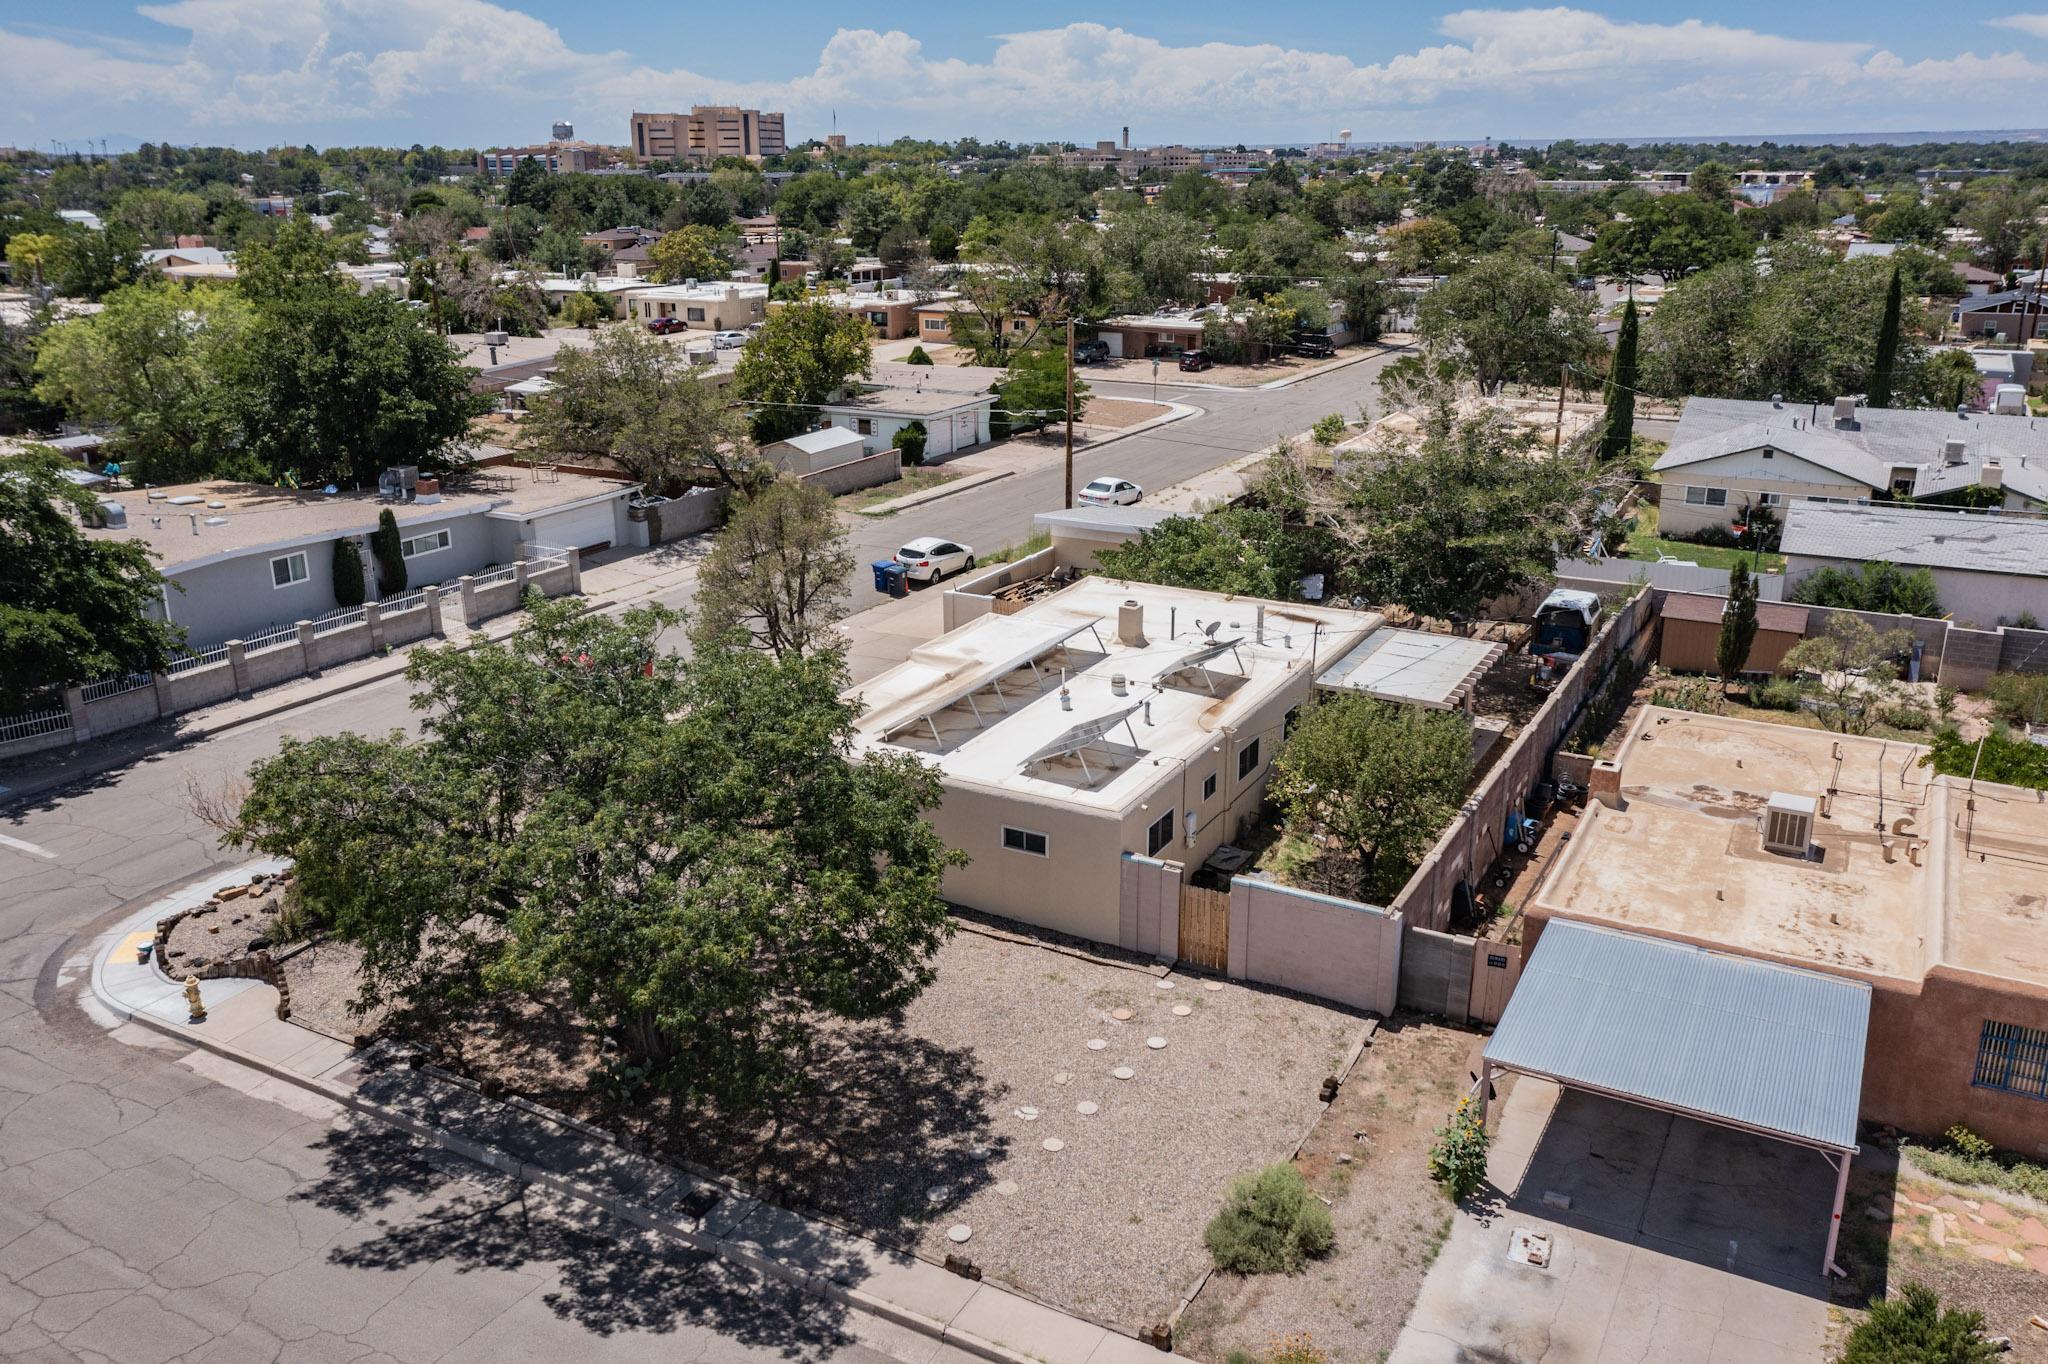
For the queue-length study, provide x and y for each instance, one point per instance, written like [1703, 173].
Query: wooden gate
[1205, 928]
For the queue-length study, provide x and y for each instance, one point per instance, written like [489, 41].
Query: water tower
[565, 131]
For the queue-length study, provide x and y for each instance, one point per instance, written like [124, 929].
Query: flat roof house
[1730, 454]
[953, 420]
[1108, 721]
[893, 313]
[702, 306]
[242, 558]
[1989, 569]
[1840, 855]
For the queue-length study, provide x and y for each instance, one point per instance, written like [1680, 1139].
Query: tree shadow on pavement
[429, 1207]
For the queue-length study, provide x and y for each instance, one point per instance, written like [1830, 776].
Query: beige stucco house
[1106, 722]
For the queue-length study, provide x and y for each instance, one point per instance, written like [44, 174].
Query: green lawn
[1648, 547]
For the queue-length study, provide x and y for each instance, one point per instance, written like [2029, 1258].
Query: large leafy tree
[778, 572]
[1466, 515]
[73, 608]
[634, 400]
[153, 368]
[1249, 551]
[689, 859]
[1506, 318]
[1377, 780]
[690, 252]
[1674, 236]
[1033, 394]
[803, 354]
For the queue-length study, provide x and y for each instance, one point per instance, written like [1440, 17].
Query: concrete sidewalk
[581, 1163]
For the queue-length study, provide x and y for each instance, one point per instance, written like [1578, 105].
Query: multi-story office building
[706, 133]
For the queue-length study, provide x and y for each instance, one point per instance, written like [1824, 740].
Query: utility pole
[1557, 442]
[1070, 414]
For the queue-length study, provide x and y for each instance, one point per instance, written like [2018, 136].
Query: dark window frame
[2012, 1059]
[1022, 841]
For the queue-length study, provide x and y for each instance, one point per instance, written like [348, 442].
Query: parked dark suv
[1194, 361]
[1314, 345]
[1091, 352]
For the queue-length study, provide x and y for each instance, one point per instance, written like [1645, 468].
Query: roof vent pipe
[1260, 627]
[1130, 623]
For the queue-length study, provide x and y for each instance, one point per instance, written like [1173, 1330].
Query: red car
[664, 326]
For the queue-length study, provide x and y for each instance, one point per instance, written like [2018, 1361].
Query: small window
[1770, 499]
[288, 569]
[1769, 453]
[1706, 497]
[694, 314]
[864, 426]
[935, 324]
[1247, 759]
[2012, 1058]
[1209, 786]
[1160, 835]
[430, 543]
[1024, 841]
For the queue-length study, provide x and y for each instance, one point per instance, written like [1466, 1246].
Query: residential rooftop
[1919, 537]
[1415, 667]
[1910, 870]
[893, 401]
[984, 702]
[174, 521]
[1873, 444]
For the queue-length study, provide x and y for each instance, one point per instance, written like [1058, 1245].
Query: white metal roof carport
[1724, 1039]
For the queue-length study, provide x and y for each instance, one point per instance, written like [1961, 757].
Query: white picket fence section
[204, 658]
[114, 686]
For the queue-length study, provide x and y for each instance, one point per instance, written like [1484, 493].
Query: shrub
[1700, 694]
[1914, 1328]
[385, 549]
[1457, 1158]
[1780, 693]
[1713, 537]
[911, 441]
[1909, 718]
[1968, 1144]
[917, 357]
[1295, 1348]
[2021, 697]
[349, 587]
[1996, 757]
[1270, 1223]
[1328, 431]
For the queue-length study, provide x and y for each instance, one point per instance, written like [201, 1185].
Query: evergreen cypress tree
[349, 587]
[390, 558]
[1738, 623]
[1621, 390]
[1887, 348]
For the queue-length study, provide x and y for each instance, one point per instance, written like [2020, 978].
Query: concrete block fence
[240, 668]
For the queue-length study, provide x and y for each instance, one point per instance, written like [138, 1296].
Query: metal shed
[1724, 1039]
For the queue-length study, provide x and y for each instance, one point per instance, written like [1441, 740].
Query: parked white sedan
[928, 558]
[1110, 492]
[728, 340]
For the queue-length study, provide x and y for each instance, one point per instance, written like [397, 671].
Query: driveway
[1682, 1243]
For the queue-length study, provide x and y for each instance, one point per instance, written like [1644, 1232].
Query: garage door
[1115, 341]
[588, 529]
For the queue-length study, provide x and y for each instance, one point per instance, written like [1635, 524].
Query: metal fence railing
[405, 601]
[503, 574]
[271, 638]
[203, 658]
[114, 686]
[337, 620]
[36, 722]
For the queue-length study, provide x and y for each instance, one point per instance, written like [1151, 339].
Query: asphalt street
[157, 1205]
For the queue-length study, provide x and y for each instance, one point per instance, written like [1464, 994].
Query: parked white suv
[928, 558]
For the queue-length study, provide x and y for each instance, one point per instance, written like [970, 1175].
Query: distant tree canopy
[1507, 318]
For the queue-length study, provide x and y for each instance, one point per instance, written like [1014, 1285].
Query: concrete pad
[324, 1055]
[277, 1040]
[1017, 1324]
[924, 1290]
[1119, 1349]
[1602, 1155]
[808, 1247]
[230, 1017]
[726, 1218]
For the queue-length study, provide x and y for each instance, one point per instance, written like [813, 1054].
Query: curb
[676, 1227]
[959, 485]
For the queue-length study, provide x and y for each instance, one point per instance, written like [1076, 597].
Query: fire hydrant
[193, 1003]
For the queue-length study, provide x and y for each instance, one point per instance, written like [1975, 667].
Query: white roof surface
[1415, 667]
[1185, 717]
[824, 440]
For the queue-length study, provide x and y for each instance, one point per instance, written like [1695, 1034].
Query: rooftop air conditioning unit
[1788, 824]
[496, 338]
[1845, 411]
[1952, 450]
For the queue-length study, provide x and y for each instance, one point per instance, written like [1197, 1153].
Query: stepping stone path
[1028, 1113]
[1064, 1077]
[1086, 1108]
[1166, 985]
[1212, 985]
[1006, 1187]
[959, 1232]
[1123, 1072]
[1181, 1011]
[1096, 1044]
[937, 1193]
[1156, 1043]
[1053, 1144]
[1121, 1015]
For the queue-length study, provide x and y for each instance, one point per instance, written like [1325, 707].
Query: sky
[256, 73]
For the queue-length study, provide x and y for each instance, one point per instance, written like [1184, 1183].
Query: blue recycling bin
[891, 577]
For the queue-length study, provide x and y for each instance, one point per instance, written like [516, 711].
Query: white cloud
[466, 70]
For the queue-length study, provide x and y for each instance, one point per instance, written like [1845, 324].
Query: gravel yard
[1390, 1219]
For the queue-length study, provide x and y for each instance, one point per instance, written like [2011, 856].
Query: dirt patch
[920, 1122]
[1390, 1219]
[236, 923]
[1117, 413]
[1989, 1253]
